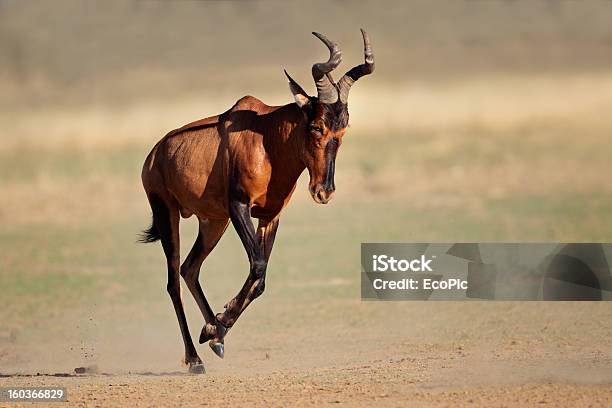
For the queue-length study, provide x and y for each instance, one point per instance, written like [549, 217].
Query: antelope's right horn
[345, 83]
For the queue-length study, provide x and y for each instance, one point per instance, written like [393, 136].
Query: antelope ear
[301, 97]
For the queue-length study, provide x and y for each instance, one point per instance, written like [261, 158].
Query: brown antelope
[240, 164]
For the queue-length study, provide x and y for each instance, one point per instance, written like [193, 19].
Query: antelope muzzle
[322, 195]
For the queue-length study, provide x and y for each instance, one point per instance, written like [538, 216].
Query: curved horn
[345, 83]
[326, 90]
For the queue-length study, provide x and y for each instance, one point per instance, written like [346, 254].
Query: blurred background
[484, 121]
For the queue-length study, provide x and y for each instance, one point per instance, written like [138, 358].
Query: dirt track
[425, 354]
[383, 386]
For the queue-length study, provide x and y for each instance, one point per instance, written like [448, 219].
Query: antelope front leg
[255, 284]
[258, 247]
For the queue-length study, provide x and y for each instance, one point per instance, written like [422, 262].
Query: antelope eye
[316, 129]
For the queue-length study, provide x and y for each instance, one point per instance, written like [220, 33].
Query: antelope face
[324, 137]
[327, 116]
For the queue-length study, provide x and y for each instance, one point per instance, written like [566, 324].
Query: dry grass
[439, 146]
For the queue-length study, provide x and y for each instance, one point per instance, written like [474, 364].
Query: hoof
[197, 369]
[218, 349]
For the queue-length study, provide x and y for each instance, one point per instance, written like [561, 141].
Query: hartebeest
[240, 164]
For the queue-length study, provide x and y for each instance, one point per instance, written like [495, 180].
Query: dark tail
[149, 235]
[160, 214]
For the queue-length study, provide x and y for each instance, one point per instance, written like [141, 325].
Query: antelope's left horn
[326, 90]
[345, 83]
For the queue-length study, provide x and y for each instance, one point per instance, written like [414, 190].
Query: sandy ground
[384, 385]
[422, 354]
